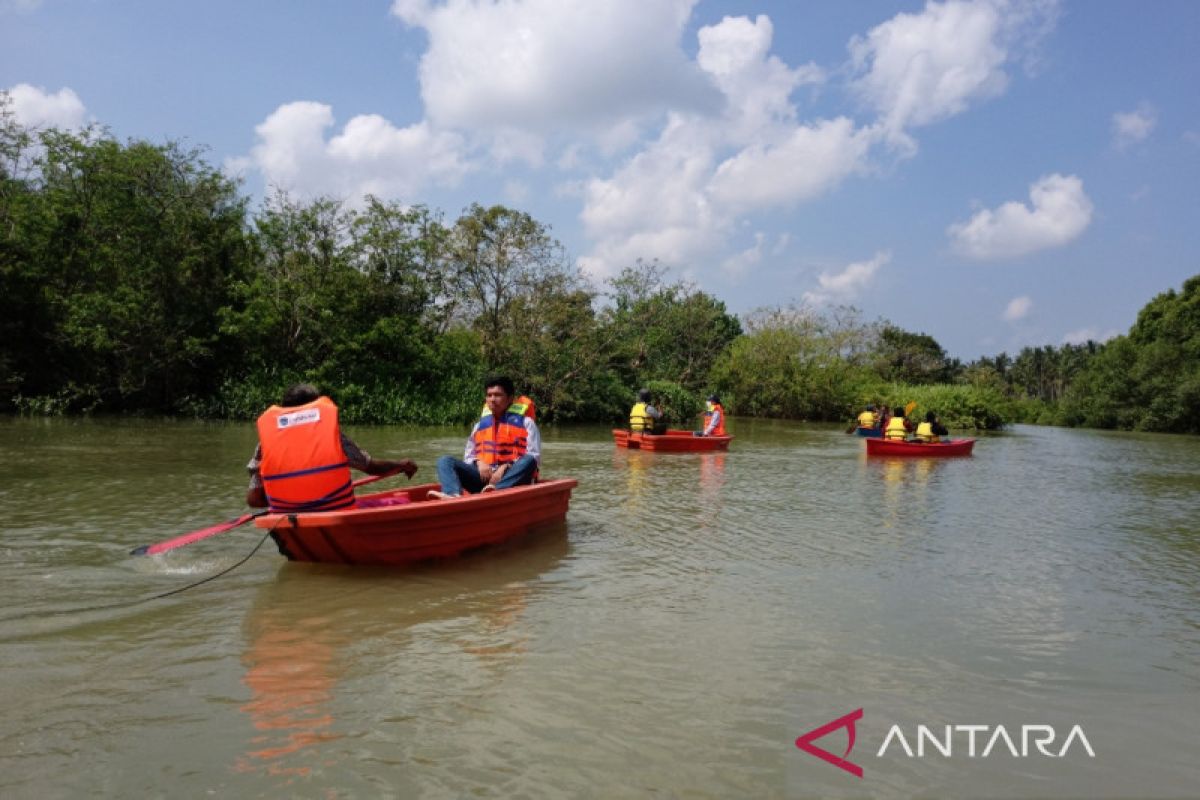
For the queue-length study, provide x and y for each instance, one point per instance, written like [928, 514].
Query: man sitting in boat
[643, 417]
[931, 430]
[503, 450]
[868, 418]
[897, 427]
[714, 418]
[303, 460]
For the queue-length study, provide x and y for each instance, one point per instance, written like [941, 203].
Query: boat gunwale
[416, 509]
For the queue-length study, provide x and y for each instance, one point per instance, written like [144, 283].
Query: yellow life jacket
[523, 405]
[867, 420]
[925, 433]
[896, 429]
[639, 420]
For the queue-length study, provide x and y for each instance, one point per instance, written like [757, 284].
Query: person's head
[498, 393]
[643, 395]
[299, 394]
[716, 401]
[898, 411]
[870, 407]
[930, 416]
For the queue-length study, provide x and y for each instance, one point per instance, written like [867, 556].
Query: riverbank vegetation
[136, 278]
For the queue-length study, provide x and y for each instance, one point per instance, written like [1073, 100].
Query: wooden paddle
[204, 533]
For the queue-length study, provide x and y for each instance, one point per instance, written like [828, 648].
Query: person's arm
[653, 412]
[713, 421]
[533, 441]
[362, 461]
[385, 466]
[256, 495]
[471, 457]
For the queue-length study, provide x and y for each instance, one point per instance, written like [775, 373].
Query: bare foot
[489, 488]
[434, 494]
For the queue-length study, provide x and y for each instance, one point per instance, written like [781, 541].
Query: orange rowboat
[893, 447]
[402, 526]
[670, 442]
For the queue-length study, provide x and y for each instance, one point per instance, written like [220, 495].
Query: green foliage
[133, 280]
[794, 363]
[679, 406]
[957, 405]
[912, 357]
[115, 260]
[668, 332]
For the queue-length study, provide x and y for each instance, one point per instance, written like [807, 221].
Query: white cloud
[655, 206]
[679, 198]
[844, 286]
[916, 69]
[808, 162]
[34, 107]
[736, 266]
[1085, 335]
[1060, 212]
[1131, 127]
[19, 6]
[546, 65]
[1017, 308]
[369, 155]
[756, 85]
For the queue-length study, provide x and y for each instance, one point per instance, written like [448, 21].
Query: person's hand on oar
[204, 533]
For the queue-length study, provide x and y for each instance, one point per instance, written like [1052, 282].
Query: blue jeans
[456, 475]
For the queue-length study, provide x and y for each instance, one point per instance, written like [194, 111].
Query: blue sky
[995, 173]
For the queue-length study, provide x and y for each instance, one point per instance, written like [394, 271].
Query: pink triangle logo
[805, 742]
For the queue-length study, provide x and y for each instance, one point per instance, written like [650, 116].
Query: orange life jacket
[303, 465]
[501, 440]
[720, 429]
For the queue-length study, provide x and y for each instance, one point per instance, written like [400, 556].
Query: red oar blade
[194, 536]
[204, 533]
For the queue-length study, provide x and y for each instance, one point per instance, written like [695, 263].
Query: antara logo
[1041, 736]
[980, 740]
[805, 742]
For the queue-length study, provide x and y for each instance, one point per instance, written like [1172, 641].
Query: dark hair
[930, 416]
[712, 398]
[897, 412]
[644, 395]
[503, 381]
[299, 394]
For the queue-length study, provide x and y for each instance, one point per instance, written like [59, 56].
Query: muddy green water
[694, 616]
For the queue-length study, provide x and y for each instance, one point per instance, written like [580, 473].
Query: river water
[696, 614]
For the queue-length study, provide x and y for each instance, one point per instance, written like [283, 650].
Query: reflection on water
[903, 482]
[306, 624]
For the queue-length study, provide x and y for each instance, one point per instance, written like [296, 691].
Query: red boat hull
[888, 447]
[416, 529]
[671, 442]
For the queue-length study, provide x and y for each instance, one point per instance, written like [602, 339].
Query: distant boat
[871, 433]
[671, 441]
[895, 447]
[403, 526]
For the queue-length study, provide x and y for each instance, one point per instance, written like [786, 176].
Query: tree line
[136, 278]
